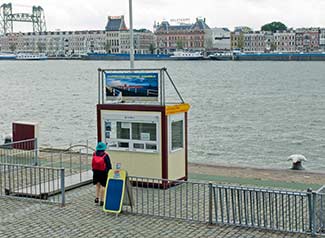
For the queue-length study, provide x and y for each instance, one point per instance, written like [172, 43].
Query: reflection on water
[243, 113]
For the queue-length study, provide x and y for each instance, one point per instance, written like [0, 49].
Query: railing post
[311, 208]
[313, 231]
[62, 187]
[210, 202]
[309, 196]
[36, 152]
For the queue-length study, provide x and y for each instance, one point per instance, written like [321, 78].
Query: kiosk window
[131, 136]
[144, 131]
[138, 146]
[123, 145]
[151, 146]
[177, 135]
[123, 130]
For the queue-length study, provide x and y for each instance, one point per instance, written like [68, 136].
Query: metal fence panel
[261, 208]
[170, 199]
[33, 182]
[240, 206]
[21, 152]
[44, 181]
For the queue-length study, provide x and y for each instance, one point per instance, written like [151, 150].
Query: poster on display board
[131, 86]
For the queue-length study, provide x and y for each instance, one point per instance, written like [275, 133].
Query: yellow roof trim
[173, 109]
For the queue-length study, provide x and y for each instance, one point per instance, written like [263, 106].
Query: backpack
[98, 162]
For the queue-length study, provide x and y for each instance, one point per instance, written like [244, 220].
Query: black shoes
[101, 203]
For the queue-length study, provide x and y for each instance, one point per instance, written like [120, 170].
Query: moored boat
[30, 56]
[181, 55]
[118, 56]
[221, 56]
[7, 56]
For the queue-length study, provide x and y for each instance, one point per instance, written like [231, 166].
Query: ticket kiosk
[144, 133]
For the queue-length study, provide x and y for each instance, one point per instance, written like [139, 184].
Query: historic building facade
[284, 41]
[307, 39]
[185, 36]
[55, 43]
[254, 41]
[237, 41]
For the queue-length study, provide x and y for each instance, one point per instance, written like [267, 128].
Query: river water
[252, 114]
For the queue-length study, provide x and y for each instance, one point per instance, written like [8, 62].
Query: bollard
[297, 166]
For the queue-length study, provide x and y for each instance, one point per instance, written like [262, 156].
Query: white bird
[297, 158]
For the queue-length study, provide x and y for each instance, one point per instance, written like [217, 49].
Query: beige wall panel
[138, 164]
[176, 164]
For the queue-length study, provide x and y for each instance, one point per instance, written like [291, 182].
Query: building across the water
[183, 36]
[299, 40]
[217, 39]
[114, 39]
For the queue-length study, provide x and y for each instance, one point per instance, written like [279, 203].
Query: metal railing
[21, 152]
[77, 164]
[182, 200]
[44, 181]
[33, 182]
[261, 208]
[277, 210]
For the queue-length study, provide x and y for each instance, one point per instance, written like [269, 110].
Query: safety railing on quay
[262, 208]
[32, 182]
[74, 162]
[277, 210]
[41, 182]
[75, 159]
[20, 152]
[170, 198]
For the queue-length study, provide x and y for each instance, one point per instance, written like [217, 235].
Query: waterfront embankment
[270, 178]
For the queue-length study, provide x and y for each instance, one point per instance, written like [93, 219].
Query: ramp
[52, 187]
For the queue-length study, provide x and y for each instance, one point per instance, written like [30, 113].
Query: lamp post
[131, 36]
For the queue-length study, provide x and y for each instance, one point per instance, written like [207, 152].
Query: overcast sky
[85, 14]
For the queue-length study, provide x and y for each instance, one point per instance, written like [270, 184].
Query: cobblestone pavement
[81, 218]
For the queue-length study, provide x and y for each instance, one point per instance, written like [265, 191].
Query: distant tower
[5, 24]
[37, 18]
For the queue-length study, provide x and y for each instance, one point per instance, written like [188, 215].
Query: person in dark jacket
[101, 164]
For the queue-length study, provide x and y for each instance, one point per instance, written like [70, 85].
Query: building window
[177, 134]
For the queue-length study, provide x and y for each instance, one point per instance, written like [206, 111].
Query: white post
[131, 36]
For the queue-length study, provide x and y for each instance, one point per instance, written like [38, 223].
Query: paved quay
[81, 218]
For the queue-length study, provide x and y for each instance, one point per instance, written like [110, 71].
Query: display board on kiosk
[131, 86]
